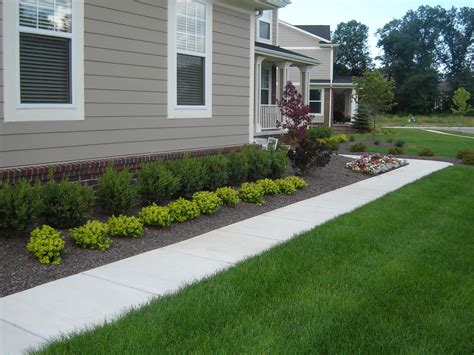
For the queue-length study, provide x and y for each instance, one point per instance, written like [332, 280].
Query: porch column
[283, 77]
[305, 83]
[353, 103]
[258, 85]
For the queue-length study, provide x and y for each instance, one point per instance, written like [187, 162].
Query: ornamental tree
[461, 102]
[295, 112]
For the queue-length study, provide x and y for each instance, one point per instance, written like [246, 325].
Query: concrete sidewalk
[31, 317]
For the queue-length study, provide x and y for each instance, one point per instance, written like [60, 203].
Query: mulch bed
[20, 270]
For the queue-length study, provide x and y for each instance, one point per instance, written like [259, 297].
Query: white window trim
[322, 102]
[265, 40]
[174, 110]
[14, 110]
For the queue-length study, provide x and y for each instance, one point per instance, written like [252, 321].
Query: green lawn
[431, 120]
[395, 276]
[417, 139]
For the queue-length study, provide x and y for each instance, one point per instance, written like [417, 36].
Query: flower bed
[375, 164]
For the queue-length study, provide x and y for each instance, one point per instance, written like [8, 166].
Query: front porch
[272, 65]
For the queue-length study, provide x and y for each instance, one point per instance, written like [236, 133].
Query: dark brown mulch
[20, 270]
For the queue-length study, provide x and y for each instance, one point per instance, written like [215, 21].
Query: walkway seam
[85, 273]
[23, 329]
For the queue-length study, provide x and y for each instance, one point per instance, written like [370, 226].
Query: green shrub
[259, 163]
[66, 204]
[92, 235]
[342, 138]
[426, 152]
[358, 147]
[297, 182]
[126, 227]
[46, 244]
[468, 159]
[377, 142]
[279, 163]
[352, 138]
[208, 202]
[309, 154]
[252, 193]
[269, 186]
[319, 132]
[228, 196]
[191, 174]
[389, 140]
[116, 192]
[182, 210]
[19, 206]
[395, 151]
[155, 216]
[238, 167]
[399, 143]
[216, 172]
[285, 186]
[157, 183]
[462, 153]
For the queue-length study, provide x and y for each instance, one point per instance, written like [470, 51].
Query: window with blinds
[45, 51]
[191, 52]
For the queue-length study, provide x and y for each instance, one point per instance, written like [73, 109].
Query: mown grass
[416, 140]
[395, 276]
[445, 120]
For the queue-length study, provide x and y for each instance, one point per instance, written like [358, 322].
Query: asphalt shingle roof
[323, 31]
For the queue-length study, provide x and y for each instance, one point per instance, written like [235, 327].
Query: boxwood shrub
[286, 186]
[19, 206]
[157, 183]
[259, 163]
[116, 192]
[238, 167]
[191, 173]
[269, 186]
[66, 204]
[216, 172]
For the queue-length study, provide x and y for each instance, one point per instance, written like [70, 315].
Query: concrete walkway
[448, 134]
[469, 130]
[31, 317]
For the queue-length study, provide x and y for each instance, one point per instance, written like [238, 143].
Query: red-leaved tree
[296, 113]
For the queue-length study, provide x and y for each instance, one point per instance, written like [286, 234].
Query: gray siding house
[94, 79]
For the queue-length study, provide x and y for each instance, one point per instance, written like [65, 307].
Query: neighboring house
[331, 98]
[95, 79]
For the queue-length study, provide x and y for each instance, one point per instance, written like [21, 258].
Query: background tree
[424, 47]
[353, 56]
[376, 92]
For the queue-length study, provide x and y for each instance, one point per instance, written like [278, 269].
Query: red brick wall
[89, 171]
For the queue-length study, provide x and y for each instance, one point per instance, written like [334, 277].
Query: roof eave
[287, 56]
[270, 4]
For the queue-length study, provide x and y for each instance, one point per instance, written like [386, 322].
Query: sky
[373, 13]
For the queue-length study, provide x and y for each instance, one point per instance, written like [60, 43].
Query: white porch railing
[268, 116]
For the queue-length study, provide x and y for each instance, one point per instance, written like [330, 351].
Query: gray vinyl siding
[126, 91]
[289, 37]
[321, 71]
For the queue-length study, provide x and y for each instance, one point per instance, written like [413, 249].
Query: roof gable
[323, 31]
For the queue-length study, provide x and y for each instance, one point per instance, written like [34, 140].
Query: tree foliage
[461, 101]
[375, 91]
[422, 48]
[353, 56]
[295, 111]
[361, 122]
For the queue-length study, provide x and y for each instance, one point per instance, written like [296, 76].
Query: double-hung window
[316, 102]
[43, 54]
[189, 52]
[265, 26]
[265, 87]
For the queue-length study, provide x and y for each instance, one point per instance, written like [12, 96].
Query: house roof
[342, 80]
[323, 31]
[264, 48]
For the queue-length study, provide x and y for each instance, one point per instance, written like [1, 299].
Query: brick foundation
[89, 171]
